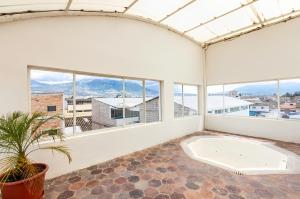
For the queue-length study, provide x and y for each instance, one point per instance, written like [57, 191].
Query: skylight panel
[199, 12]
[156, 9]
[100, 5]
[202, 34]
[269, 9]
[12, 6]
[234, 21]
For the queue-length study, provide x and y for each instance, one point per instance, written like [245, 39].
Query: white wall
[105, 45]
[267, 54]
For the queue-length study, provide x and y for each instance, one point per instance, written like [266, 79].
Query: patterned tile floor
[165, 172]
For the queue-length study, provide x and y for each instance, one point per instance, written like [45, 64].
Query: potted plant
[20, 134]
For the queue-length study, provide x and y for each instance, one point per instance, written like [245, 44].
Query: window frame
[182, 99]
[259, 81]
[74, 91]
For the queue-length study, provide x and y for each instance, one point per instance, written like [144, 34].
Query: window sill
[102, 131]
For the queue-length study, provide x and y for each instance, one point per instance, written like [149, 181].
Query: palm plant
[20, 134]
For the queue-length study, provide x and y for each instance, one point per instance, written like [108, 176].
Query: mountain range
[95, 87]
[268, 89]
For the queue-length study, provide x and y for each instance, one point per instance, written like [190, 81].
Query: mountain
[101, 87]
[290, 87]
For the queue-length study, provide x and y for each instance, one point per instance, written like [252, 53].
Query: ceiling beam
[68, 5]
[130, 6]
[218, 17]
[256, 14]
[254, 27]
[177, 10]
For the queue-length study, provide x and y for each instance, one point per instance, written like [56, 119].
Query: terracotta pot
[30, 188]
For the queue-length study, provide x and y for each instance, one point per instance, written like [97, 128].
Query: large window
[269, 99]
[289, 99]
[186, 100]
[90, 102]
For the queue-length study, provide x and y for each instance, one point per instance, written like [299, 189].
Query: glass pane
[215, 99]
[239, 19]
[152, 89]
[99, 102]
[178, 101]
[156, 9]
[50, 94]
[100, 5]
[199, 12]
[290, 98]
[9, 6]
[257, 99]
[202, 34]
[273, 8]
[190, 100]
[133, 101]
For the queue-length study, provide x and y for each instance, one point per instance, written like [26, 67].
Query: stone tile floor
[165, 172]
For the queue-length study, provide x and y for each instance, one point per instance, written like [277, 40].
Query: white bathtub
[245, 156]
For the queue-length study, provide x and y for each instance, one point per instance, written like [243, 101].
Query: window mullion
[182, 97]
[74, 103]
[144, 101]
[278, 99]
[124, 95]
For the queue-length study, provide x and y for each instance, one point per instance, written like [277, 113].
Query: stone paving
[166, 172]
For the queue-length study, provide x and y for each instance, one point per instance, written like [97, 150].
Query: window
[214, 102]
[133, 100]
[50, 94]
[51, 108]
[190, 100]
[152, 98]
[91, 102]
[99, 95]
[289, 99]
[186, 101]
[258, 99]
[178, 100]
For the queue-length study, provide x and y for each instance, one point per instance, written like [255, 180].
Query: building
[288, 107]
[109, 111]
[50, 104]
[232, 106]
[259, 109]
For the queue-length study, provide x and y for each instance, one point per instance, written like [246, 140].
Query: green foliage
[20, 134]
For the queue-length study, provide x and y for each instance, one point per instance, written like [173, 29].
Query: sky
[51, 77]
[230, 87]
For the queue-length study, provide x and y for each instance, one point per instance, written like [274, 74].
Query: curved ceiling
[205, 21]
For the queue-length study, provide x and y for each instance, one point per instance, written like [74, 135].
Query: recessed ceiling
[205, 21]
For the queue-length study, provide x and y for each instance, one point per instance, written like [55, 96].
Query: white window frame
[261, 118]
[182, 97]
[123, 78]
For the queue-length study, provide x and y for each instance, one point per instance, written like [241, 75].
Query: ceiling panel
[200, 11]
[100, 5]
[12, 6]
[273, 8]
[156, 9]
[202, 34]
